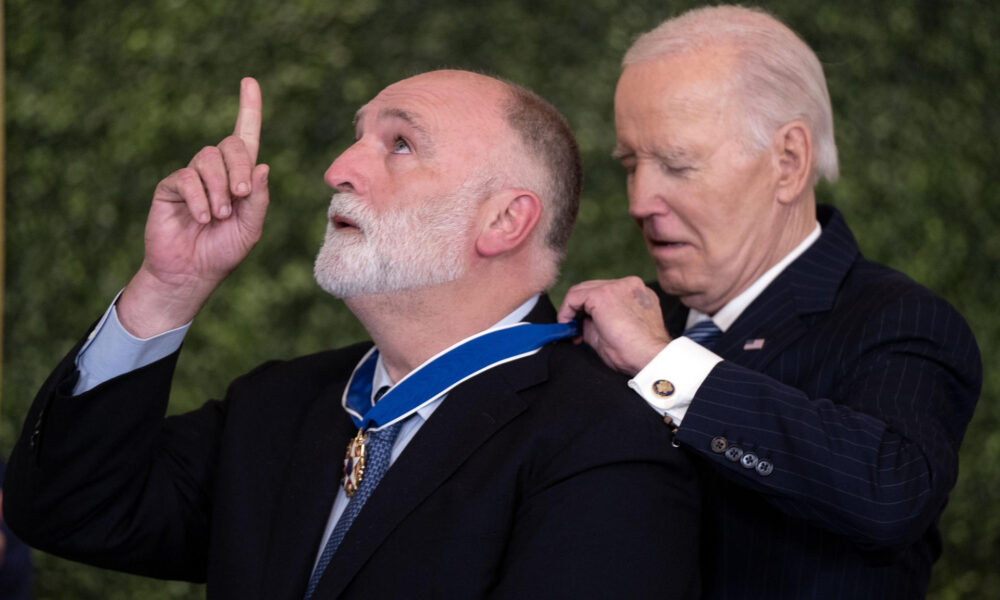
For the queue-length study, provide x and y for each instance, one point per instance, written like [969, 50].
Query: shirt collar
[381, 377]
[728, 314]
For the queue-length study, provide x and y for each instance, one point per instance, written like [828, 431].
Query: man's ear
[793, 146]
[513, 215]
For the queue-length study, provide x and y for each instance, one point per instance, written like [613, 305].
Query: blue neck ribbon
[444, 371]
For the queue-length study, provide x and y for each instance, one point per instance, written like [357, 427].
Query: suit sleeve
[614, 515]
[866, 445]
[104, 479]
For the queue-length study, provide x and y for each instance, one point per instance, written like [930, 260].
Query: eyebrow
[411, 119]
[620, 152]
[667, 154]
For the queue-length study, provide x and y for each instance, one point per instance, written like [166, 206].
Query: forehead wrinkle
[672, 141]
[398, 113]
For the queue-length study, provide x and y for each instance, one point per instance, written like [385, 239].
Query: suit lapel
[470, 415]
[308, 490]
[777, 317]
[763, 331]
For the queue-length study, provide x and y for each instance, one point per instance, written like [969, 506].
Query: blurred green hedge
[104, 98]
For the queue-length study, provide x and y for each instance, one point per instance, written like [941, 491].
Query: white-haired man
[479, 473]
[825, 396]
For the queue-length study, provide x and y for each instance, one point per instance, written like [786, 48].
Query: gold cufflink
[663, 388]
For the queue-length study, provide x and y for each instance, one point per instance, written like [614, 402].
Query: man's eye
[401, 146]
[675, 170]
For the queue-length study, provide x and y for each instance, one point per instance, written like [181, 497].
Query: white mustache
[349, 206]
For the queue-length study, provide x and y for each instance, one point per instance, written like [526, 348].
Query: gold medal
[354, 463]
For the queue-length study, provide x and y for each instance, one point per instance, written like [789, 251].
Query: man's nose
[645, 192]
[346, 173]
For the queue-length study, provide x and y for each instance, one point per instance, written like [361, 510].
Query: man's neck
[413, 325]
[731, 310]
[787, 228]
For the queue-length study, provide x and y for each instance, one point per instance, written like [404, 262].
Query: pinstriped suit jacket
[832, 448]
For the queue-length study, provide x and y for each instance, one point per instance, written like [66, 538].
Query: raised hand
[621, 321]
[204, 220]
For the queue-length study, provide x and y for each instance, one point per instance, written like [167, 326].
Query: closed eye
[675, 170]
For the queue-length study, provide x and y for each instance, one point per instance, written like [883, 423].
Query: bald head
[459, 106]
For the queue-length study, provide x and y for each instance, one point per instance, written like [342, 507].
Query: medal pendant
[354, 463]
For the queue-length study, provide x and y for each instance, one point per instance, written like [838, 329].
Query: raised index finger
[249, 116]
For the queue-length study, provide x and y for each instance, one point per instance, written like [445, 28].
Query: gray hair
[778, 78]
[547, 136]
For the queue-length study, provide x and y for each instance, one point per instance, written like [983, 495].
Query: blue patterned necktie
[705, 333]
[378, 450]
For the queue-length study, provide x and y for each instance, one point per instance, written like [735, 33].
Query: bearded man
[484, 457]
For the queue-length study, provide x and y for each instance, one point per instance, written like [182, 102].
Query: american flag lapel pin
[754, 344]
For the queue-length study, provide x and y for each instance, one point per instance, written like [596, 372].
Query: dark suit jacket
[15, 561]
[834, 446]
[544, 477]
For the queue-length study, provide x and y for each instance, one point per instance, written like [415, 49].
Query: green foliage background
[105, 97]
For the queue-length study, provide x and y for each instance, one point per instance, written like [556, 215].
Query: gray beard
[412, 247]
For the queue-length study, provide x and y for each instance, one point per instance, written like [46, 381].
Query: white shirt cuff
[669, 382]
[111, 351]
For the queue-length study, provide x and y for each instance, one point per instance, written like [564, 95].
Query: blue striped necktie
[378, 450]
[705, 333]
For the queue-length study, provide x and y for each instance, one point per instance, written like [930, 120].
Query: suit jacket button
[734, 453]
[764, 468]
[718, 444]
[749, 460]
[37, 431]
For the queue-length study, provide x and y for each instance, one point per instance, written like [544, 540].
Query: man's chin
[335, 284]
[341, 287]
[674, 286]
[353, 271]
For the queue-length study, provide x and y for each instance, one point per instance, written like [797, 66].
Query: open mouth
[343, 223]
[656, 238]
[663, 244]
